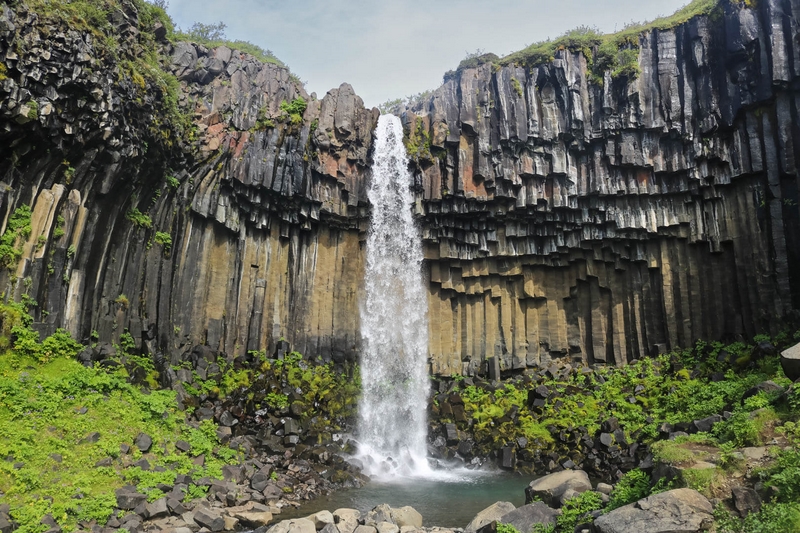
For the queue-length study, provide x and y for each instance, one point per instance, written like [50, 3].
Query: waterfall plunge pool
[450, 501]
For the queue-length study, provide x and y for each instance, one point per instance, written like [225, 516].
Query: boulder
[346, 519]
[790, 361]
[406, 516]
[551, 487]
[489, 515]
[158, 508]
[297, 525]
[330, 528]
[674, 511]
[379, 513]
[210, 519]
[143, 442]
[366, 529]
[387, 527]
[525, 517]
[746, 500]
[253, 518]
[129, 500]
[321, 519]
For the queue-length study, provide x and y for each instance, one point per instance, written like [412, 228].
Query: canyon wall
[560, 217]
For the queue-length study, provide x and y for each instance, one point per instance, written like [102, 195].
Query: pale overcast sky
[392, 49]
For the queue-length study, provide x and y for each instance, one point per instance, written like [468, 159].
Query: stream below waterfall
[445, 503]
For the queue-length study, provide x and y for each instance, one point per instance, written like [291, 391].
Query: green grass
[50, 405]
[615, 52]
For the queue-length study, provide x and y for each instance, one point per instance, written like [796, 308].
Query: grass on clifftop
[617, 52]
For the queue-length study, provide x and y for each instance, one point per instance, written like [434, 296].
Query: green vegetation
[213, 35]
[633, 486]
[262, 122]
[172, 181]
[292, 112]
[168, 124]
[617, 52]
[576, 511]
[641, 396]
[58, 419]
[506, 528]
[139, 219]
[58, 232]
[122, 300]
[33, 110]
[418, 141]
[164, 239]
[17, 230]
[327, 400]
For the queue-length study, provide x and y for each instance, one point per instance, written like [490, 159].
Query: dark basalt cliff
[560, 217]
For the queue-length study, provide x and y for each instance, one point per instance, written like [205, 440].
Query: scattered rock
[524, 518]
[406, 516]
[746, 500]
[346, 519]
[551, 487]
[321, 519]
[298, 525]
[488, 515]
[210, 519]
[674, 511]
[143, 441]
[129, 500]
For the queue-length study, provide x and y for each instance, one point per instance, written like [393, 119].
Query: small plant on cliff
[172, 181]
[517, 86]
[164, 239]
[122, 300]
[139, 219]
[19, 227]
[293, 111]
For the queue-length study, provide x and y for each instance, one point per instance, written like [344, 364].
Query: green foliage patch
[17, 230]
[59, 418]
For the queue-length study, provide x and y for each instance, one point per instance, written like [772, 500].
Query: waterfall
[392, 425]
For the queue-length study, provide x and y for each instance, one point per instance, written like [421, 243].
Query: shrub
[139, 219]
[18, 227]
[632, 487]
[164, 239]
[576, 510]
[293, 111]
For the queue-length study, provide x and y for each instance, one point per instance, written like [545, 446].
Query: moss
[33, 110]
[516, 86]
[418, 141]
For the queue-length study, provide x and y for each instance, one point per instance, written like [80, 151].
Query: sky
[393, 49]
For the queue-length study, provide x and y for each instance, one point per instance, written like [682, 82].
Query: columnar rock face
[610, 222]
[560, 217]
[253, 223]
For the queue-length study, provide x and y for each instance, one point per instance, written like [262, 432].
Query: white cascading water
[394, 324]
